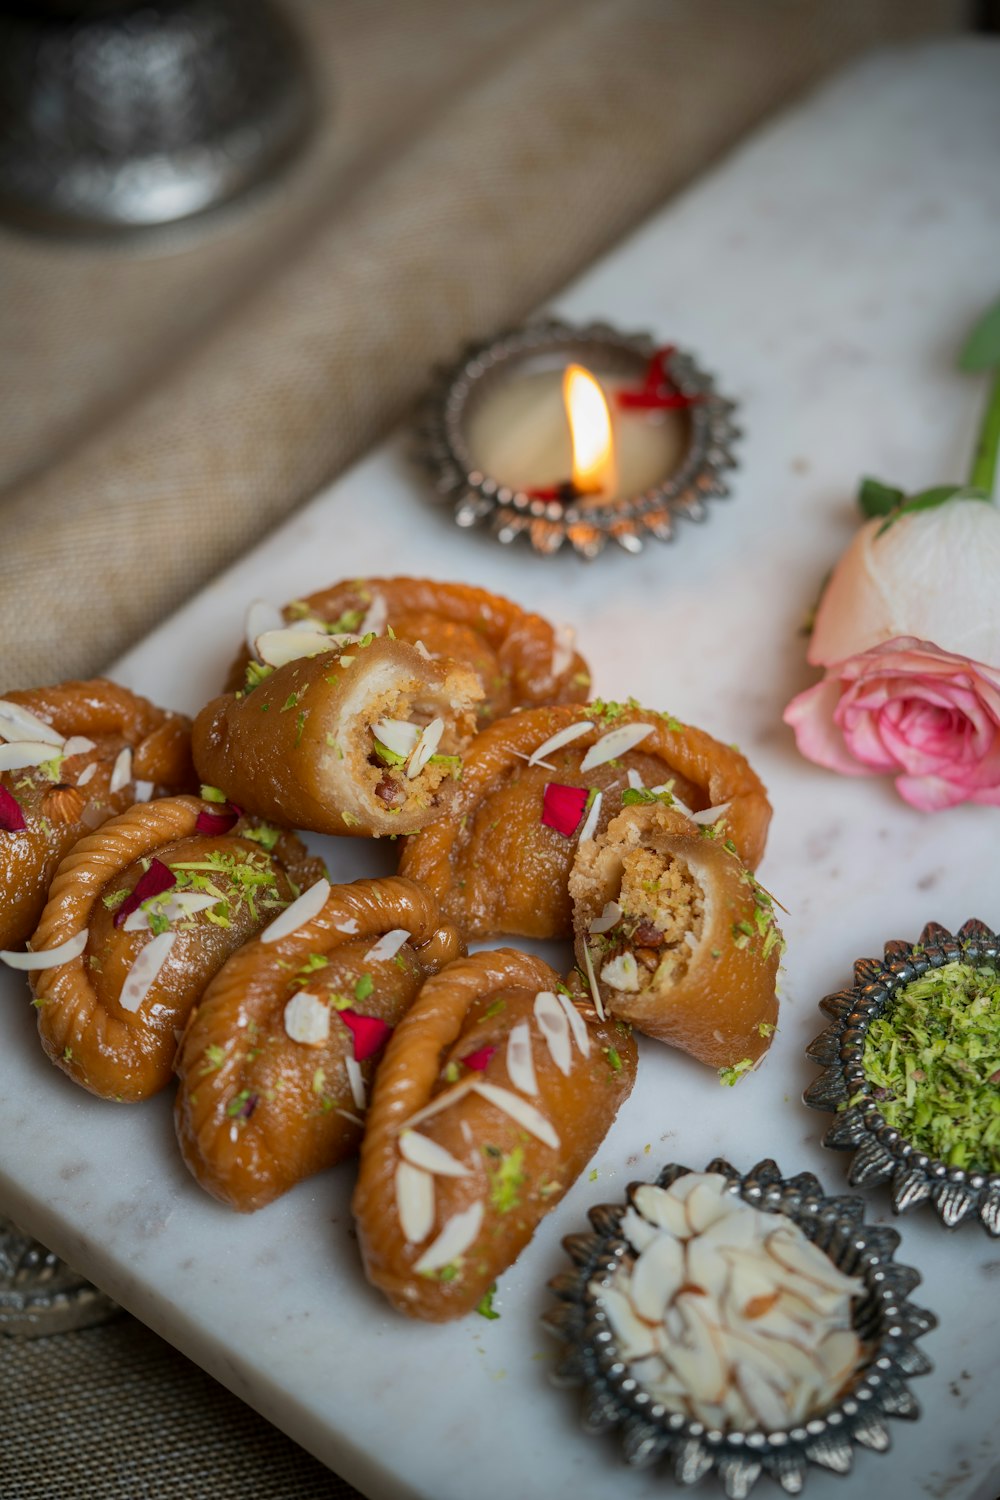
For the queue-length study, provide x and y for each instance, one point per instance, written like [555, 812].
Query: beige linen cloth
[166, 400]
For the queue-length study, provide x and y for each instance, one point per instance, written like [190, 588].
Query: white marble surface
[826, 272]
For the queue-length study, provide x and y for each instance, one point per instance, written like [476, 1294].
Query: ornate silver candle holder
[585, 522]
[887, 1323]
[39, 1294]
[881, 1154]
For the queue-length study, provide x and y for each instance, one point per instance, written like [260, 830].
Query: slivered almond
[307, 1019]
[638, 1231]
[387, 946]
[427, 745]
[616, 742]
[261, 616]
[88, 773]
[763, 1401]
[591, 820]
[520, 1063]
[77, 744]
[356, 1082]
[609, 916]
[577, 1024]
[414, 1202]
[657, 1276]
[397, 735]
[661, 1207]
[709, 814]
[20, 754]
[121, 771]
[455, 1238]
[422, 1152]
[173, 907]
[707, 1202]
[45, 958]
[441, 1101]
[145, 971]
[18, 723]
[595, 993]
[291, 643]
[635, 1338]
[635, 781]
[376, 618]
[622, 973]
[557, 741]
[533, 1121]
[301, 911]
[554, 1026]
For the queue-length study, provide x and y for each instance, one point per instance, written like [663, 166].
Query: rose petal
[153, 882]
[11, 815]
[370, 1034]
[479, 1060]
[562, 807]
[216, 821]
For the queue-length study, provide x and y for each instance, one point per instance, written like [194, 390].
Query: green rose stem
[981, 352]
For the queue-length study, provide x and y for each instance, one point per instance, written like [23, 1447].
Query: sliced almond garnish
[557, 741]
[387, 946]
[706, 1202]
[46, 958]
[301, 911]
[637, 1230]
[554, 1026]
[657, 1276]
[706, 1269]
[635, 1337]
[414, 1202]
[622, 973]
[145, 971]
[291, 643]
[577, 1024]
[441, 1101]
[661, 1207]
[376, 618]
[609, 916]
[422, 1152]
[307, 1019]
[427, 745]
[533, 1121]
[616, 742]
[397, 735]
[520, 1063]
[121, 772]
[18, 723]
[142, 791]
[635, 781]
[356, 1081]
[261, 616]
[595, 994]
[77, 744]
[174, 907]
[591, 820]
[763, 1401]
[563, 645]
[455, 1238]
[20, 754]
[87, 774]
[709, 814]
[800, 1255]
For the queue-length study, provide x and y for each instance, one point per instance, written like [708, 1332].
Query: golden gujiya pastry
[521, 660]
[278, 1057]
[537, 786]
[675, 935]
[494, 1093]
[72, 756]
[366, 740]
[141, 915]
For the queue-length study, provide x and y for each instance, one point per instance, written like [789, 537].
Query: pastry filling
[656, 923]
[413, 747]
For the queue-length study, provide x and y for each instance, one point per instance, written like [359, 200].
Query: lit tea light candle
[561, 430]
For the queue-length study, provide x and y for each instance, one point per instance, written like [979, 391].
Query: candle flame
[590, 432]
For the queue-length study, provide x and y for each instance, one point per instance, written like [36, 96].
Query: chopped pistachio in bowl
[911, 1068]
[742, 1324]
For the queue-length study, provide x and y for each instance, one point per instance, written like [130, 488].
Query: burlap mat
[165, 405]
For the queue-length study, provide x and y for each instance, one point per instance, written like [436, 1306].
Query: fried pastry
[365, 740]
[279, 1053]
[495, 1091]
[72, 756]
[141, 915]
[675, 935]
[540, 784]
[520, 659]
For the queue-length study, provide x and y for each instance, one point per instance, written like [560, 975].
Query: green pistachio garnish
[732, 1076]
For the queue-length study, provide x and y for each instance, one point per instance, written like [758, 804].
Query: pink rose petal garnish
[369, 1033]
[562, 807]
[217, 820]
[11, 816]
[157, 879]
[479, 1060]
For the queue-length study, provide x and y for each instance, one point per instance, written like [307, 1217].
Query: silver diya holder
[586, 523]
[885, 1319]
[40, 1294]
[881, 1153]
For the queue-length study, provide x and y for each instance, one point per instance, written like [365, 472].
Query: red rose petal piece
[157, 879]
[11, 816]
[479, 1060]
[369, 1033]
[562, 807]
[212, 820]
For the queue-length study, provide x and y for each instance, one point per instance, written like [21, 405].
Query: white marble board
[826, 272]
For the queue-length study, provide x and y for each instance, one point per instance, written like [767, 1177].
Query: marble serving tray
[826, 272]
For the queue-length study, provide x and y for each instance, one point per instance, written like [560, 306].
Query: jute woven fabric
[166, 407]
[114, 1413]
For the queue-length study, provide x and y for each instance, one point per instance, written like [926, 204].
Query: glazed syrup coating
[693, 957]
[434, 1237]
[128, 1055]
[495, 867]
[258, 1111]
[56, 811]
[516, 654]
[298, 749]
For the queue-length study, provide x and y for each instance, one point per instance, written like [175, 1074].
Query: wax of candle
[519, 435]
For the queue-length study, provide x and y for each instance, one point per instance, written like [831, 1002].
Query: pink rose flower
[907, 708]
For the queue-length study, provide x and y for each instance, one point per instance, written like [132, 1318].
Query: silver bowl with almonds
[744, 1324]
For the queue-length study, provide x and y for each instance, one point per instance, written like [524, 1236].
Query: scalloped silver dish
[483, 499]
[885, 1320]
[40, 1294]
[881, 1154]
